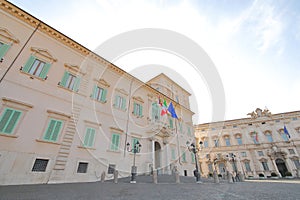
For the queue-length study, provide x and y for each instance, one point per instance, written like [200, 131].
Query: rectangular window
[137, 109]
[297, 164]
[115, 142]
[205, 143]
[216, 142]
[111, 169]
[3, 49]
[239, 140]
[260, 153]
[269, 137]
[291, 151]
[294, 118]
[134, 142]
[247, 166]
[183, 156]
[82, 167]
[40, 165]
[243, 154]
[227, 141]
[36, 67]
[70, 81]
[89, 137]
[284, 137]
[99, 94]
[193, 157]
[265, 166]
[173, 154]
[9, 120]
[53, 130]
[120, 102]
[155, 112]
[210, 168]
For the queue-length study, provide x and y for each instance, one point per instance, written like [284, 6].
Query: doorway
[157, 152]
[281, 166]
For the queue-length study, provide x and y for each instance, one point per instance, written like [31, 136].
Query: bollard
[103, 177]
[116, 173]
[154, 176]
[229, 176]
[216, 178]
[177, 178]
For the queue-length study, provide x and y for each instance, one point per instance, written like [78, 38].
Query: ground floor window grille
[82, 167]
[111, 169]
[40, 165]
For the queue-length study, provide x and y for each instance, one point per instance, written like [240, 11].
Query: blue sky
[253, 44]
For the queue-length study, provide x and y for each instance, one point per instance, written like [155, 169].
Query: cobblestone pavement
[261, 189]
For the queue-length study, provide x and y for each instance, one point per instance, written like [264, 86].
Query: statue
[253, 115]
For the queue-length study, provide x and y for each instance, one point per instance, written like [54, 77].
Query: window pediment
[7, 36]
[267, 132]
[115, 129]
[102, 82]
[44, 53]
[73, 68]
[138, 98]
[122, 91]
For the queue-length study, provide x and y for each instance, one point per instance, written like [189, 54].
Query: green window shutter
[64, 79]
[116, 101]
[123, 103]
[3, 49]
[76, 85]
[153, 111]
[45, 70]
[117, 142]
[87, 137]
[56, 130]
[92, 137]
[193, 157]
[171, 122]
[28, 64]
[103, 97]
[141, 111]
[9, 120]
[134, 108]
[95, 89]
[113, 141]
[50, 128]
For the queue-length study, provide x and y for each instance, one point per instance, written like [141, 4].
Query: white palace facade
[67, 114]
[261, 146]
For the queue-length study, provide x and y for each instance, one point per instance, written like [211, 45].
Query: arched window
[269, 136]
[238, 138]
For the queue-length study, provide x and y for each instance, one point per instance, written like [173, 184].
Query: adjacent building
[262, 145]
[67, 114]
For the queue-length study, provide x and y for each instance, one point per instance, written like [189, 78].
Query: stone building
[258, 146]
[67, 114]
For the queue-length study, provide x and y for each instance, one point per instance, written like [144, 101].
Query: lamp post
[136, 148]
[192, 148]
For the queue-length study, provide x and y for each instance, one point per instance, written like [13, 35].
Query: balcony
[161, 128]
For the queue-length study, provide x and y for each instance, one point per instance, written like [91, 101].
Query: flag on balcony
[159, 101]
[172, 111]
[164, 108]
[286, 131]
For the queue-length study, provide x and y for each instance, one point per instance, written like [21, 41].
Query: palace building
[67, 114]
[262, 145]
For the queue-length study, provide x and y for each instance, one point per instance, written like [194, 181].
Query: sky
[254, 45]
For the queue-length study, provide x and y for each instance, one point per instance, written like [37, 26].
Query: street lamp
[135, 149]
[192, 148]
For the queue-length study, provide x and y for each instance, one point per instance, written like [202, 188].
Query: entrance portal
[281, 166]
[157, 150]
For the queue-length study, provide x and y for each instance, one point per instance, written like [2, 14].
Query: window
[40, 165]
[99, 94]
[183, 157]
[36, 67]
[239, 140]
[260, 153]
[291, 151]
[82, 167]
[207, 156]
[170, 122]
[89, 137]
[115, 142]
[219, 156]
[294, 118]
[284, 137]
[233, 165]
[254, 137]
[3, 49]
[173, 154]
[181, 127]
[70, 81]
[297, 164]
[210, 168]
[234, 126]
[111, 168]
[9, 120]
[216, 142]
[243, 154]
[193, 157]
[189, 131]
[120, 102]
[205, 143]
[134, 141]
[53, 130]
[137, 109]
[247, 166]
[227, 141]
[269, 137]
[222, 167]
[277, 120]
[155, 112]
[265, 166]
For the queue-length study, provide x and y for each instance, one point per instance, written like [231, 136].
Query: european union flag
[172, 111]
[286, 131]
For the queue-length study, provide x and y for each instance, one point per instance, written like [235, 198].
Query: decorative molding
[74, 68]
[122, 91]
[8, 36]
[138, 98]
[116, 129]
[53, 112]
[93, 123]
[102, 82]
[43, 52]
[12, 102]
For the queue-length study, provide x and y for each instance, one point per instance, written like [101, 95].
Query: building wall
[262, 123]
[45, 102]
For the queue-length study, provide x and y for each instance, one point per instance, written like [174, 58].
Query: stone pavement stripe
[276, 181]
